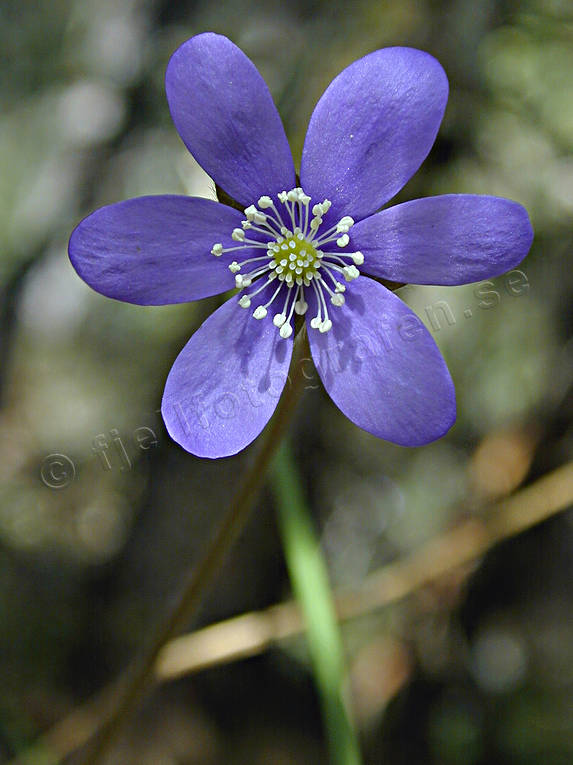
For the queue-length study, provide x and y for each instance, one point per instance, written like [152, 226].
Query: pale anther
[350, 273]
[300, 307]
[344, 224]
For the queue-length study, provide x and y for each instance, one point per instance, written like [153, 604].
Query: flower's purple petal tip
[225, 115]
[444, 417]
[440, 416]
[226, 382]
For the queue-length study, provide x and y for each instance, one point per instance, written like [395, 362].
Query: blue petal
[226, 117]
[451, 239]
[372, 129]
[226, 382]
[382, 368]
[155, 250]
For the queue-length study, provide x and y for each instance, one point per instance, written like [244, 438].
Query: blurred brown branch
[252, 633]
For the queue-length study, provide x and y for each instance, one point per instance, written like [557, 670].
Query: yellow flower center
[295, 256]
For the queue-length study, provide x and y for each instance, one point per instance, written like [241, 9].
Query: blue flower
[303, 248]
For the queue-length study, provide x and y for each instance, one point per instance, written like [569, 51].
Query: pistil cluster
[296, 258]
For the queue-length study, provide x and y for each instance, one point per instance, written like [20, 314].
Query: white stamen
[293, 258]
[316, 323]
[344, 224]
[276, 292]
[261, 287]
[301, 307]
[342, 227]
[350, 273]
[250, 212]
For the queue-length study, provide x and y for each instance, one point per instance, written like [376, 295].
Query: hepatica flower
[303, 247]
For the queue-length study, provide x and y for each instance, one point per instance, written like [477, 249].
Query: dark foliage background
[477, 669]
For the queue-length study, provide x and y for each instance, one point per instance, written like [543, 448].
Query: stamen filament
[293, 257]
[276, 292]
[271, 231]
[245, 280]
[251, 260]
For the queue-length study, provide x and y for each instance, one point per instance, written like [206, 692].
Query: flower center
[296, 256]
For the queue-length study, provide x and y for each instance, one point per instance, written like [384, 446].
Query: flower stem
[309, 578]
[138, 679]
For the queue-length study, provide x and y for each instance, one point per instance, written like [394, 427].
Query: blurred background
[476, 668]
